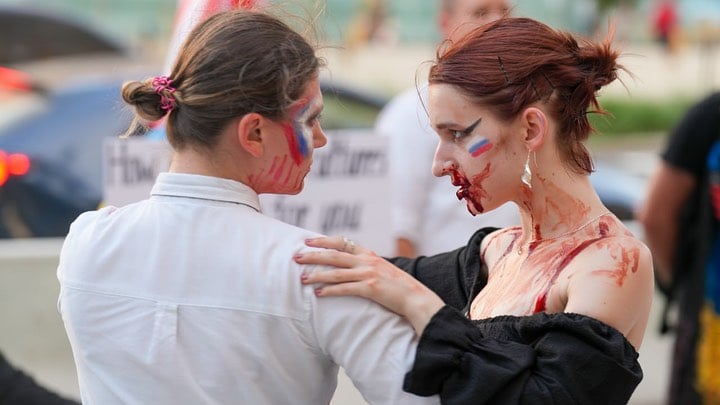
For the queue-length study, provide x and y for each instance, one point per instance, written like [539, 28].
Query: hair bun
[145, 99]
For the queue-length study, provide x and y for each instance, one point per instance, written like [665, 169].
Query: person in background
[192, 296]
[665, 24]
[680, 219]
[426, 217]
[550, 312]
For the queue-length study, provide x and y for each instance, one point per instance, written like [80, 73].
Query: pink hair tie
[162, 86]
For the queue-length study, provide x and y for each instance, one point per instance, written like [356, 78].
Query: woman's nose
[442, 164]
[319, 138]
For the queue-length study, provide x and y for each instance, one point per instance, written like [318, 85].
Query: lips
[462, 193]
[459, 180]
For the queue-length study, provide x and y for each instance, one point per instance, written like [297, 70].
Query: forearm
[420, 308]
[454, 276]
[669, 191]
[662, 244]
[443, 274]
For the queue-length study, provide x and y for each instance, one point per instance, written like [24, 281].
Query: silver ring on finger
[348, 246]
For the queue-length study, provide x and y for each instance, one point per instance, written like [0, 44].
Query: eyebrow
[467, 130]
[310, 108]
[472, 126]
[317, 111]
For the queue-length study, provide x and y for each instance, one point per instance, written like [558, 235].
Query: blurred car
[62, 139]
[33, 34]
[61, 135]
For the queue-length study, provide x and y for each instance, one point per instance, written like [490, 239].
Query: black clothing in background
[18, 388]
[688, 148]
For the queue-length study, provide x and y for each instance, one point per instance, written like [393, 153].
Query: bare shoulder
[613, 282]
[499, 243]
[619, 258]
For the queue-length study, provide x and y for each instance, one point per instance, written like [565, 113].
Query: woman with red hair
[554, 310]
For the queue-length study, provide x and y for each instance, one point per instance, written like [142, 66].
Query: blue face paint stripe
[298, 128]
[480, 147]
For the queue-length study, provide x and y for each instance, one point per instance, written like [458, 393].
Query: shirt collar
[208, 188]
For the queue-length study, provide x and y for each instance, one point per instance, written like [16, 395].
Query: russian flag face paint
[303, 131]
[290, 143]
[299, 130]
[481, 146]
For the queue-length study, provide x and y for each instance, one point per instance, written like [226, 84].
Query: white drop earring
[526, 177]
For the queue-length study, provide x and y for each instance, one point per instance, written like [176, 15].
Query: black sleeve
[692, 138]
[555, 359]
[17, 387]
[455, 276]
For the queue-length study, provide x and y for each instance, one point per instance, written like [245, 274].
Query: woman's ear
[250, 134]
[536, 126]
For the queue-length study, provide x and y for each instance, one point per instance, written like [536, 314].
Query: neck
[208, 163]
[559, 203]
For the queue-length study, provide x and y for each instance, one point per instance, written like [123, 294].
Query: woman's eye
[314, 120]
[458, 134]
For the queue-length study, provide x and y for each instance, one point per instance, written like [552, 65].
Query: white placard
[130, 167]
[346, 192]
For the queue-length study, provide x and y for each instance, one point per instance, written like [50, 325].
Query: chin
[473, 209]
[298, 189]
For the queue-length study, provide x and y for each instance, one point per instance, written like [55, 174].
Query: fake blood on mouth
[463, 192]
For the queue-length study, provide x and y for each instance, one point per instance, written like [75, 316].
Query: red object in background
[188, 14]
[15, 164]
[665, 18]
[14, 79]
[191, 12]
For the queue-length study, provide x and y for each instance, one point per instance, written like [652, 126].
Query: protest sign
[346, 192]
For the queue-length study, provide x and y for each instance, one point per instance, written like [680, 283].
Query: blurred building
[143, 24]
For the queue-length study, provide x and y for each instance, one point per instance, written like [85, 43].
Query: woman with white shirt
[192, 296]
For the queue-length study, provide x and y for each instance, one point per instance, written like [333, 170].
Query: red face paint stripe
[280, 169]
[480, 148]
[287, 177]
[292, 143]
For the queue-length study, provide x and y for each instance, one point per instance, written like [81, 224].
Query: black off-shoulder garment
[540, 359]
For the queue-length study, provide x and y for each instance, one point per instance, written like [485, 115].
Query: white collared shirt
[192, 297]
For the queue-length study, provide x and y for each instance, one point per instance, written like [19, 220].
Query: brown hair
[231, 64]
[512, 63]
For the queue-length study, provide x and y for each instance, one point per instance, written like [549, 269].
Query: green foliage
[639, 116]
[607, 4]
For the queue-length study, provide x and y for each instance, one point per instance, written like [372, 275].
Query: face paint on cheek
[293, 145]
[480, 147]
[302, 130]
[297, 134]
